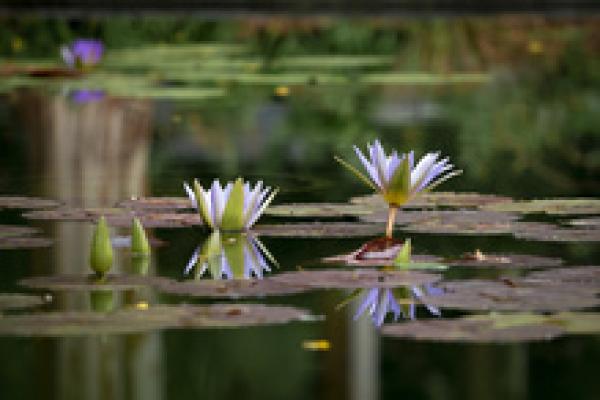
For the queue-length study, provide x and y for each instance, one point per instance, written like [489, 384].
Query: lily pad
[9, 301]
[131, 320]
[499, 327]
[156, 203]
[119, 217]
[549, 206]
[319, 229]
[24, 242]
[317, 210]
[587, 277]
[450, 222]
[226, 288]
[353, 279]
[16, 231]
[22, 202]
[591, 223]
[437, 199]
[90, 282]
[503, 260]
[511, 295]
[549, 233]
[465, 330]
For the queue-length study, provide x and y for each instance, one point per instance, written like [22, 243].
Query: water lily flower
[233, 207]
[397, 178]
[84, 96]
[230, 256]
[378, 302]
[82, 53]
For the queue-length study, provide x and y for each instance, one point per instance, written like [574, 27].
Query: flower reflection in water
[401, 302]
[230, 256]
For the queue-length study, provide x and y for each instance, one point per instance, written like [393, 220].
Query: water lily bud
[139, 240]
[140, 265]
[101, 254]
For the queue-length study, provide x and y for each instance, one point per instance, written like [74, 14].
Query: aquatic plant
[397, 178]
[82, 53]
[233, 207]
[83, 96]
[101, 253]
[230, 256]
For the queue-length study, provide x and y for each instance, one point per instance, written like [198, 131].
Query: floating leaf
[591, 223]
[131, 320]
[10, 301]
[24, 242]
[319, 229]
[503, 260]
[563, 206]
[90, 282]
[317, 210]
[545, 233]
[7, 231]
[156, 203]
[21, 202]
[352, 279]
[577, 278]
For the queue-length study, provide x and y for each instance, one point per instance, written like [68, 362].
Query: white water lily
[397, 178]
[234, 207]
[230, 256]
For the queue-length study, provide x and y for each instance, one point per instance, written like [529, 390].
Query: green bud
[101, 254]
[140, 265]
[139, 240]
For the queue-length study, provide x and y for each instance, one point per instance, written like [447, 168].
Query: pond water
[500, 300]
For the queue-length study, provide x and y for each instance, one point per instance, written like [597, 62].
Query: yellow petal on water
[317, 345]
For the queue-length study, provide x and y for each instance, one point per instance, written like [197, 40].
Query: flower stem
[389, 231]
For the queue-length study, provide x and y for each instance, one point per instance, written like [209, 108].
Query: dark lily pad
[24, 242]
[511, 295]
[496, 260]
[317, 210]
[499, 327]
[465, 330]
[157, 203]
[10, 301]
[319, 229]
[22, 202]
[119, 217]
[233, 289]
[549, 206]
[352, 279]
[90, 282]
[131, 320]
[16, 231]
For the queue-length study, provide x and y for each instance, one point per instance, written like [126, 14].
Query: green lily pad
[226, 288]
[9, 301]
[319, 229]
[22, 202]
[90, 282]
[317, 210]
[156, 203]
[512, 295]
[499, 327]
[353, 279]
[7, 231]
[131, 320]
[503, 260]
[7, 243]
[564, 206]
[119, 217]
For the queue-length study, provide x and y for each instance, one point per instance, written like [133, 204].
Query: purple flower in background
[83, 96]
[378, 302]
[82, 53]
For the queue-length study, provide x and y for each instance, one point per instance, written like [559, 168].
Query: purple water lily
[82, 53]
[397, 177]
[83, 96]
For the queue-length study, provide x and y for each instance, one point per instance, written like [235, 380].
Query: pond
[489, 289]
